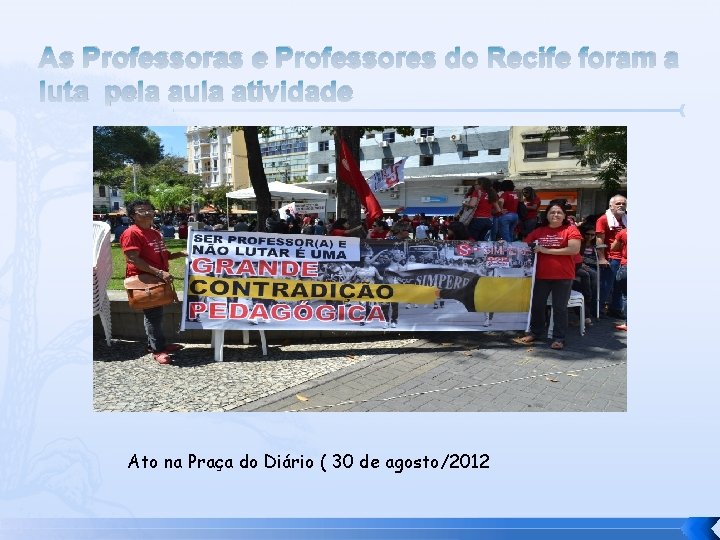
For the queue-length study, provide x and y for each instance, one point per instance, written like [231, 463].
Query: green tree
[604, 147]
[217, 196]
[115, 145]
[166, 197]
[171, 170]
[263, 201]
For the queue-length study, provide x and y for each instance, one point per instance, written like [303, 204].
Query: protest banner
[236, 279]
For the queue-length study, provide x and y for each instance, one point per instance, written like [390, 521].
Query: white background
[658, 459]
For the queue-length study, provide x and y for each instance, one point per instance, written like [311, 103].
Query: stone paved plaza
[480, 371]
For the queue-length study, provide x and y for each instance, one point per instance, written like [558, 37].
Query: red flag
[349, 172]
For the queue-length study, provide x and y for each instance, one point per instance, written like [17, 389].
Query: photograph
[491, 249]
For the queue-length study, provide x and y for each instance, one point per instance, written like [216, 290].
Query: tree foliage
[115, 145]
[216, 196]
[166, 197]
[604, 147]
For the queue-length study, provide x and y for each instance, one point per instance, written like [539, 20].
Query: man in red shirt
[145, 252]
[606, 228]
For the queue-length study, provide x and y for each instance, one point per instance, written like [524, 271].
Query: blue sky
[173, 139]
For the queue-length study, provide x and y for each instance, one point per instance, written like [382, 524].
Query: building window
[535, 150]
[427, 131]
[116, 206]
[387, 162]
[323, 168]
[426, 161]
[114, 192]
[494, 152]
[101, 191]
[389, 136]
[323, 146]
[369, 135]
[469, 153]
[568, 149]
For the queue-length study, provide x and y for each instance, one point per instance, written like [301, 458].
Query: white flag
[388, 177]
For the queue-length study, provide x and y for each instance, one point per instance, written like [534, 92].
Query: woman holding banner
[556, 242]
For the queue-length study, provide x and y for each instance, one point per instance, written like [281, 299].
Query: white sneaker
[407, 306]
[415, 305]
[386, 325]
[487, 321]
[393, 325]
[254, 321]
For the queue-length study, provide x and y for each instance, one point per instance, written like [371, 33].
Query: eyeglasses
[144, 212]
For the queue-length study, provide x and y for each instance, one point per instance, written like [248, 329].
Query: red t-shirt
[532, 214]
[621, 237]
[602, 227]
[554, 266]
[484, 208]
[338, 232]
[510, 201]
[150, 245]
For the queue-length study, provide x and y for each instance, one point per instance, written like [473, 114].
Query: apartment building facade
[107, 199]
[441, 163]
[219, 156]
[552, 168]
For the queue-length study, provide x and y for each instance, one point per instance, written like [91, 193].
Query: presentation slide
[359, 270]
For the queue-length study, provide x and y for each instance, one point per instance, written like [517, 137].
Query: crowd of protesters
[588, 256]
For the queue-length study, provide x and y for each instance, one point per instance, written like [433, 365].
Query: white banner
[301, 282]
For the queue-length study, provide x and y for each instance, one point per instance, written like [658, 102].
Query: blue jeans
[609, 292]
[506, 226]
[153, 319]
[621, 286]
[479, 227]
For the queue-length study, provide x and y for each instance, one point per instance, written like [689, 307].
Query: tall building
[284, 154]
[220, 159]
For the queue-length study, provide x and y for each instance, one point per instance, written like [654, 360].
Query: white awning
[279, 190]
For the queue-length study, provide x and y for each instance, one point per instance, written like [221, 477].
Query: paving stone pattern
[474, 372]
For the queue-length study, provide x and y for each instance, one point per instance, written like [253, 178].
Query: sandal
[162, 358]
[524, 340]
[557, 345]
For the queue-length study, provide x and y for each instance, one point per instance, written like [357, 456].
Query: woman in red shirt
[487, 198]
[508, 219]
[145, 252]
[532, 204]
[379, 230]
[341, 228]
[556, 244]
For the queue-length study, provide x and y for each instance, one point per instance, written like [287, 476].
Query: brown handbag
[146, 291]
[466, 213]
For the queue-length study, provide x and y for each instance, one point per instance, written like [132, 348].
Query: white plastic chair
[576, 300]
[102, 271]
